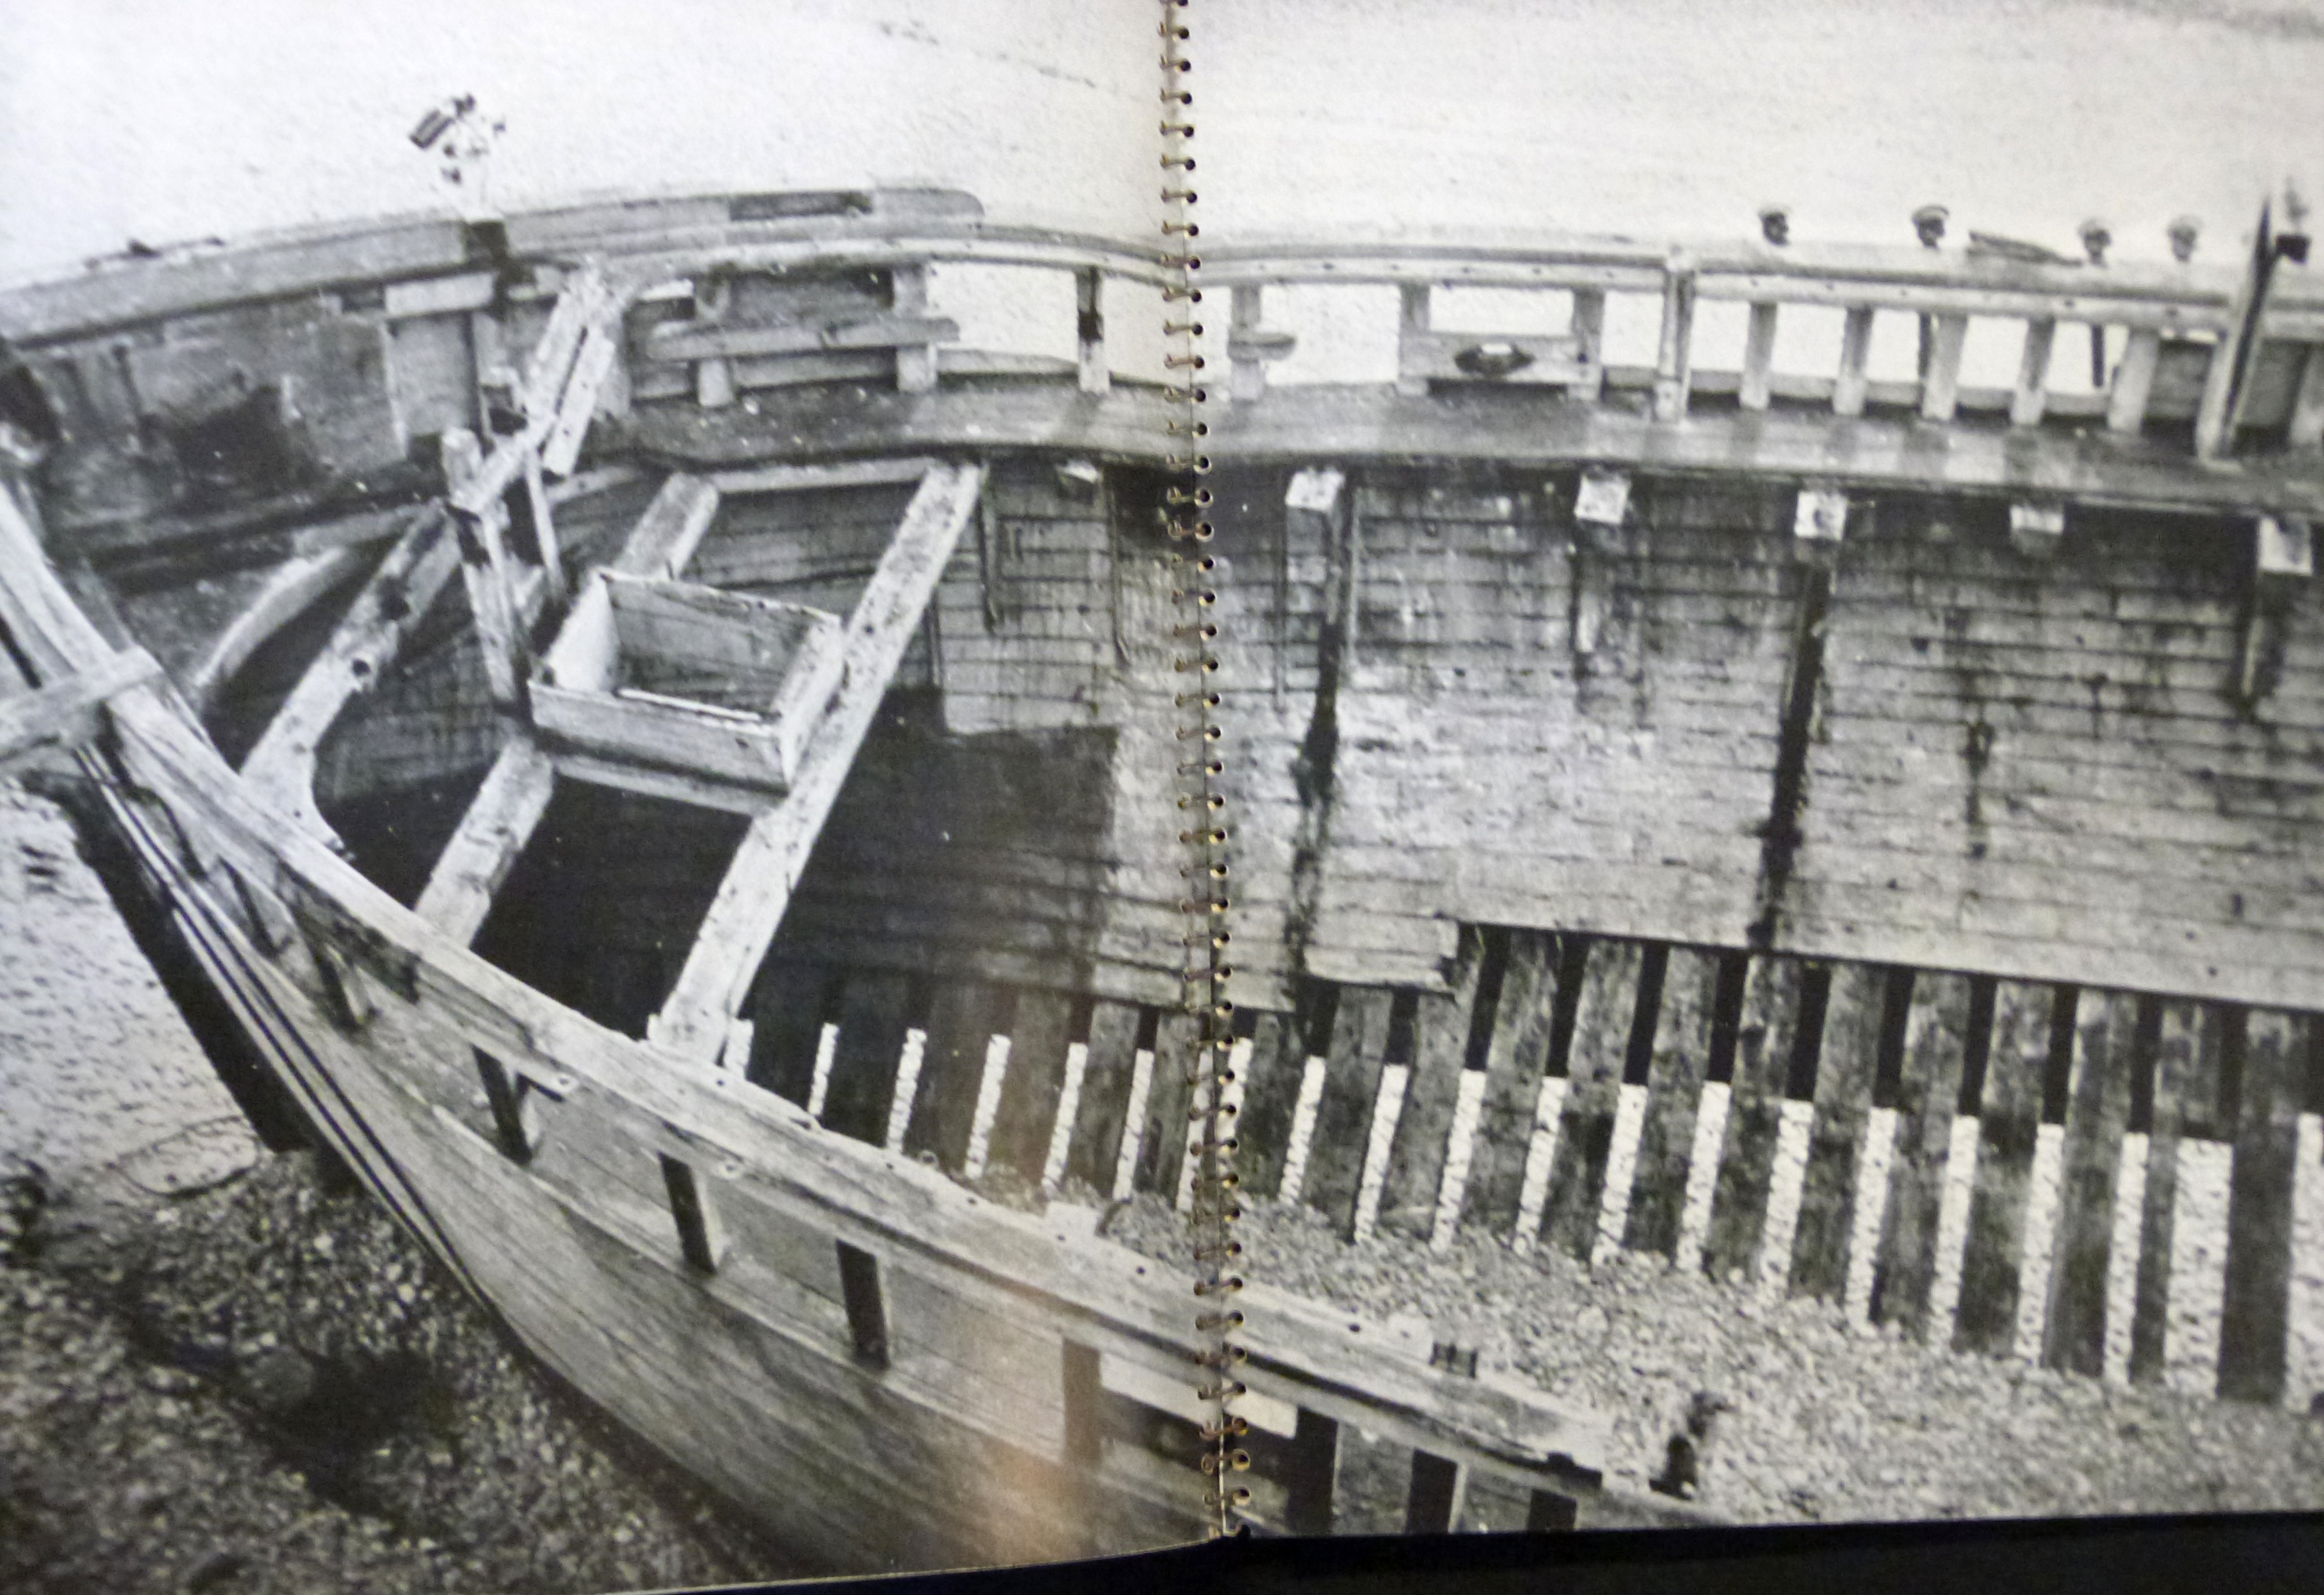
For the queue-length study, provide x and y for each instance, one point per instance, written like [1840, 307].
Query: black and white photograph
[804, 787]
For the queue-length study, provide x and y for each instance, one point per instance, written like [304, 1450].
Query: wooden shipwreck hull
[1849, 832]
[471, 634]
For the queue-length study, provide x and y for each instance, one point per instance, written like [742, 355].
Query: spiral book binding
[1213, 1085]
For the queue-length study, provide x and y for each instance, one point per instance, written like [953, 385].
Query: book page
[1767, 679]
[595, 922]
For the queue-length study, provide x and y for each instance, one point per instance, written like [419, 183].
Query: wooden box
[721, 685]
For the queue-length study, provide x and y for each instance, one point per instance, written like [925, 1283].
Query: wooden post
[1672, 364]
[1855, 346]
[1247, 377]
[1589, 329]
[713, 378]
[2211, 420]
[915, 363]
[1089, 307]
[492, 599]
[1434, 1499]
[1758, 356]
[1412, 321]
[2032, 393]
[1085, 1402]
[2134, 379]
[701, 1238]
[867, 1307]
[1941, 387]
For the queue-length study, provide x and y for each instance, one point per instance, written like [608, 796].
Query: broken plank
[499, 822]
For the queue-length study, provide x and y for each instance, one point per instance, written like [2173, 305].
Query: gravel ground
[221, 1371]
[267, 1387]
[1831, 1423]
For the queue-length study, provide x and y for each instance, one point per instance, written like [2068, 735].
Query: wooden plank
[1848, 1058]
[1759, 355]
[64, 713]
[493, 833]
[2031, 396]
[916, 365]
[1590, 333]
[1134, 1116]
[1713, 1109]
[1416, 1157]
[2010, 1111]
[757, 888]
[2173, 1094]
[2254, 1325]
[2105, 1035]
[1276, 1071]
[1875, 1161]
[280, 767]
[2303, 1378]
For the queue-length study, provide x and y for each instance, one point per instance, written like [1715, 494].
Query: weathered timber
[65, 712]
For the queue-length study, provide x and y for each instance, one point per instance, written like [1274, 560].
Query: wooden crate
[717, 684]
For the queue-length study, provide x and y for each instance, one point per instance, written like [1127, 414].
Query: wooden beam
[544, 534]
[484, 569]
[492, 833]
[281, 768]
[916, 364]
[683, 340]
[671, 529]
[65, 712]
[766, 867]
[2306, 430]
[1590, 333]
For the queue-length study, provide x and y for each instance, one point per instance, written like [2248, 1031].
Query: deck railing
[2158, 328]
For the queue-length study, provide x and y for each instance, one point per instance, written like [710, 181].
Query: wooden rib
[758, 885]
[64, 713]
[1590, 332]
[297, 585]
[1673, 356]
[1297, 1351]
[281, 768]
